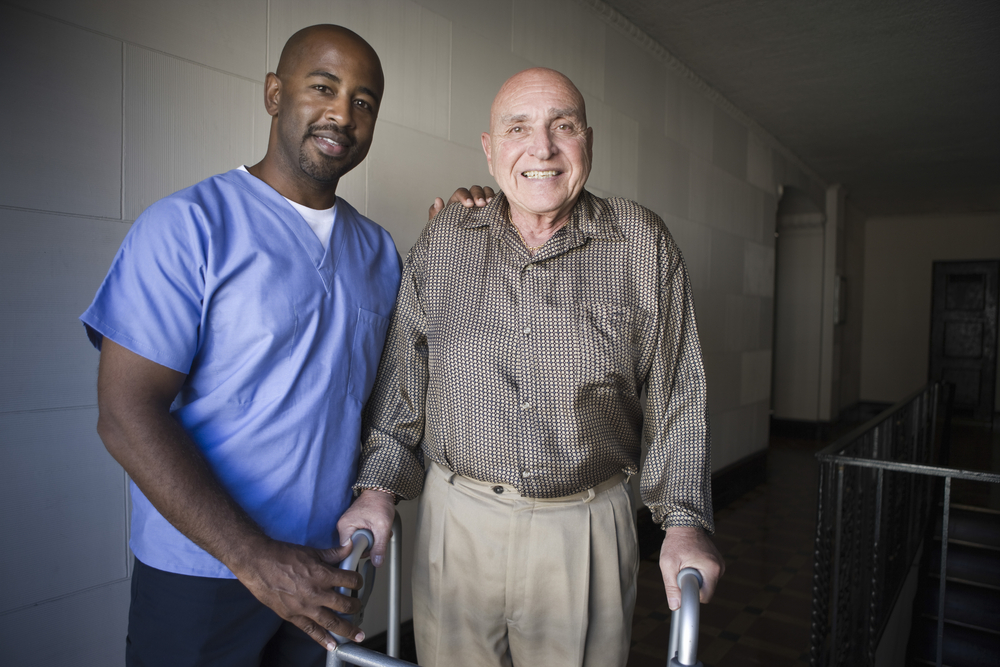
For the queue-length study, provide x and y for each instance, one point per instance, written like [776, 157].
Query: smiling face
[324, 99]
[539, 146]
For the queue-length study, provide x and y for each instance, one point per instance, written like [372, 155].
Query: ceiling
[899, 101]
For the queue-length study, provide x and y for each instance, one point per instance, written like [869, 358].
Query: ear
[272, 93]
[487, 146]
[590, 144]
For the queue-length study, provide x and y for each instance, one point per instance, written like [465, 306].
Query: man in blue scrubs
[240, 329]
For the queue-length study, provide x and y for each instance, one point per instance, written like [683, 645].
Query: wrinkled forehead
[533, 95]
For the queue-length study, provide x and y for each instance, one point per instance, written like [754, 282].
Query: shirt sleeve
[151, 300]
[676, 476]
[393, 419]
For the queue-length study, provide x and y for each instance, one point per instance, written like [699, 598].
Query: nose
[542, 146]
[341, 111]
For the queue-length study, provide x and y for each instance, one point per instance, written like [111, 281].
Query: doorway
[963, 350]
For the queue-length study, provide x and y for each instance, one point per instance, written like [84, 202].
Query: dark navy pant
[176, 620]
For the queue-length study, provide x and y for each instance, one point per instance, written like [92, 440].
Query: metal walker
[684, 621]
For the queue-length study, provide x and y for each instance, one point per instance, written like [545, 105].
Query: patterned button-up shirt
[529, 371]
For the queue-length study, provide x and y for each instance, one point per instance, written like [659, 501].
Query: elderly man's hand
[477, 196]
[375, 511]
[687, 546]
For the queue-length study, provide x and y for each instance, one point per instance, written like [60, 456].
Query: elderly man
[240, 329]
[510, 393]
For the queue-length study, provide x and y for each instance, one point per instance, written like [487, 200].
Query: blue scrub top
[280, 339]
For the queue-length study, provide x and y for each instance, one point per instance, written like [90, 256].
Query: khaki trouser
[501, 580]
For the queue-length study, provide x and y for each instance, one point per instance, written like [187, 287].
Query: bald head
[303, 44]
[532, 81]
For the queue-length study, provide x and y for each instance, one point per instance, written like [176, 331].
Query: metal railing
[877, 491]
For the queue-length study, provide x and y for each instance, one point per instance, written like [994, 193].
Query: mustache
[332, 131]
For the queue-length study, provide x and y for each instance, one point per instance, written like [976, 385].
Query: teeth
[329, 141]
[539, 174]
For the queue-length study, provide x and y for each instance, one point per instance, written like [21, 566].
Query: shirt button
[525, 474]
[498, 490]
[526, 330]
[530, 267]
[525, 406]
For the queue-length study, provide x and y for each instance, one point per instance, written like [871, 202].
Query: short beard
[325, 170]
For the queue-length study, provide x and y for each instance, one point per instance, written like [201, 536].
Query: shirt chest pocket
[609, 342]
[369, 338]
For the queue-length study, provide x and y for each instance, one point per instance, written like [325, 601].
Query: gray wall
[899, 256]
[113, 104]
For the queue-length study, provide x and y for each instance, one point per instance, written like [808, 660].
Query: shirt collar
[592, 217]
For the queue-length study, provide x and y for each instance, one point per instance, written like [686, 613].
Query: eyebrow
[336, 79]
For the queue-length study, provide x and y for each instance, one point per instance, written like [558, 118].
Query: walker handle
[361, 540]
[683, 648]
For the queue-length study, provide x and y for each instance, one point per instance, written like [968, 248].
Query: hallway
[760, 612]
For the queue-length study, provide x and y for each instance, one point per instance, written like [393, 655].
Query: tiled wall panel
[476, 76]
[64, 506]
[50, 267]
[689, 115]
[766, 319]
[559, 35]
[733, 205]
[760, 172]
[616, 150]
[62, 132]
[631, 75]
[732, 435]
[758, 269]
[84, 629]
[727, 263]
[756, 380]
[487, 20]
[183, 123]
[700, 184]
[224, 34]
[742, 323]
[695, 242]
[353, 187]
[414, 45]
[664, 175]
[729, 144]
[398, 164]
[710, 308]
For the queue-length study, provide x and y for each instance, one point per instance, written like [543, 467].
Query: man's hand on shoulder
[299, 584]
[476, 195]
[375, 511]
[687, 546]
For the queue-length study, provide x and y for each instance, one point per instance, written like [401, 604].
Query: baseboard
[799, 429]
[737, 478]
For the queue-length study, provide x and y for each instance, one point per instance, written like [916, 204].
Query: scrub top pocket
[369, 337]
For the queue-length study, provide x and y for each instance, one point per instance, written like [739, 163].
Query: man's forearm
[160, 457]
